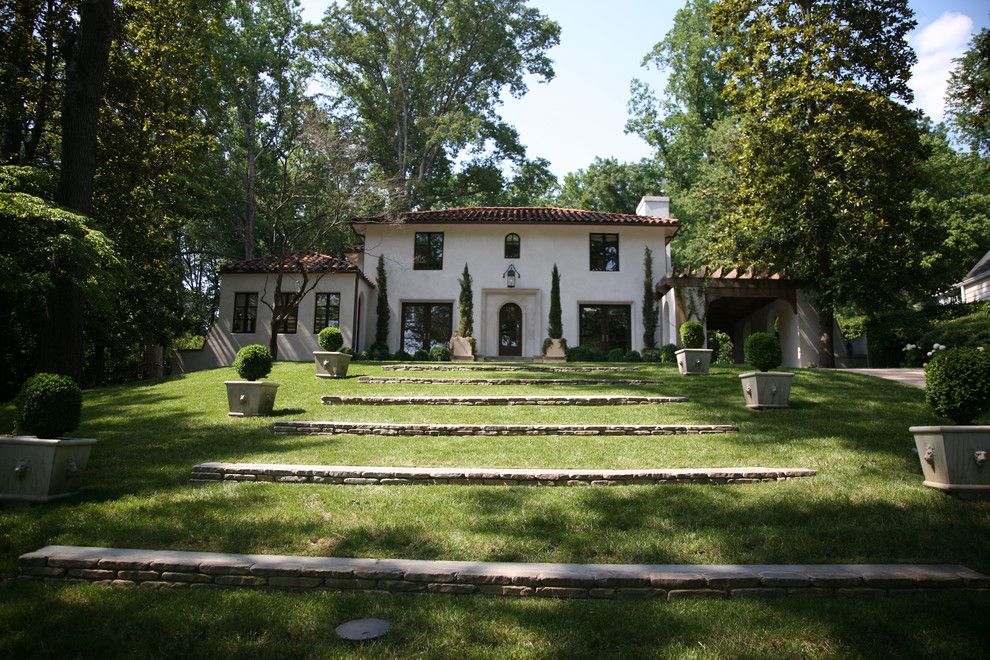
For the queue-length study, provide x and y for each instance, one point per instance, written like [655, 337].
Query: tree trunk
[61, 348]
[250, 179]
[826, 323]
[42, 113]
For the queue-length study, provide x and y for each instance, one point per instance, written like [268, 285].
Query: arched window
[512, 246]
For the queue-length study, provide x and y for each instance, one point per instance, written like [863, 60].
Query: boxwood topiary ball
[763, 351]
[48, 406]
[440, 354]
[253, 362]
[957, 384]
[692, 334]
[331, 339]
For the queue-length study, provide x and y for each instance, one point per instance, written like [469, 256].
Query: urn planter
[42, 469]
[250, 398]
[766, 389]
[331, 364]
[460, 349]
[955, 459]
[693, 361]
[555, 351]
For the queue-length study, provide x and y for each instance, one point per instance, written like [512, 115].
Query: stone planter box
[249, 398]
[555, 352]
[693, 361]
[766, 389]
[460, 349]
[42, 469]
[331, 364]
[955, 459]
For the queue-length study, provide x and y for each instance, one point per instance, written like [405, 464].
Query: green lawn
[866, 505]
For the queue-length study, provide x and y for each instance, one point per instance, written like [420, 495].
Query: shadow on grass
[87, 621]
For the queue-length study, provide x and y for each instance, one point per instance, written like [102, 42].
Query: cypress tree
[381, 326]
[650, 311]
[465, 326]
[556, 329]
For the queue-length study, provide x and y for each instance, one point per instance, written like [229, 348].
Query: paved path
[171, 568]
[912, 377]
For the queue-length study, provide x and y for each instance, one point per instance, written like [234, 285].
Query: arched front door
[510, 330]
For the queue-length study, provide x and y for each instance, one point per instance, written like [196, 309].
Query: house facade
[975, 287]
[510, 253]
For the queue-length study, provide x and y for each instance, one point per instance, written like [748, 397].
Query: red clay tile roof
[517, 215]
[296, 262]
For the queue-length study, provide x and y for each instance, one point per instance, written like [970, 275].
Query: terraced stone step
[532, 400]
[205, 570]
[388, 476]
[380, 428]
[411, 380]
[500, 367]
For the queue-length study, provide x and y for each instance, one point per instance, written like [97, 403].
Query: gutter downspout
[354, 321]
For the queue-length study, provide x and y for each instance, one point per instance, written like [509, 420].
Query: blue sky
[581, 113]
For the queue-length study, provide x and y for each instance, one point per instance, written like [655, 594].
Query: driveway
[912, 377]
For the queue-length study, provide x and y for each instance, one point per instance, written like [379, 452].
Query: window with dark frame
[287, 326]
[425, 325]
[428, 250]
[245, 312]
[512, 246]
[604, 252]
[327, 313]
[605, 326]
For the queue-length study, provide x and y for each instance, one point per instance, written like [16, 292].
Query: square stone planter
[766, 389]
[331, 364]
[250, 398]
[460, 349]
[693, 361]
[555, 351]
[955, 459]
[42, 469]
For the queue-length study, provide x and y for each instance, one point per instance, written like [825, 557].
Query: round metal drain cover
[359, 630]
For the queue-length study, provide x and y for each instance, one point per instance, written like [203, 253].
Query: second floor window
[512, 246]
[245, 312]
[327, 311]
[283, 304]
[428, 251]
[605, 252]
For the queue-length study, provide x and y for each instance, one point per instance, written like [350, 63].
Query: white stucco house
[510, 252]
[976, 285]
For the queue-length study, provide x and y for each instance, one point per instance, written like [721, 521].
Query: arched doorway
[510, 330]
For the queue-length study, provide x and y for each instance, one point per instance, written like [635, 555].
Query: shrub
[378, 352]
[330, 339]
[722, 348]
[440, 354]
[421, 356]
[401, 355]
[347, 350]
[616, 355]
[692, 334]
[763, 351]
[48, 406]
[253, 362]
[584, 354]
[668, 354]
[555, 326]
[957, 384]
[651, 355]
[633, 356]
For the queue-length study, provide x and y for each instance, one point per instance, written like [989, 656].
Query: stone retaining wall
[205, 570]
[407, 380]
[379, 428]
[500, 367]
[535, 400]
[471, 476]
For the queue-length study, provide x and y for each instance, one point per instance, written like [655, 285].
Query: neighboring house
[510, 252]
[337, 295]
[976, 285]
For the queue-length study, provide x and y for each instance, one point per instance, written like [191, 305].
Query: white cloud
[937, 44]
